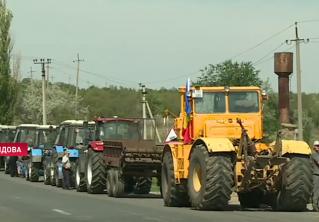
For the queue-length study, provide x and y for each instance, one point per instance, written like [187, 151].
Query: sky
[161, 43]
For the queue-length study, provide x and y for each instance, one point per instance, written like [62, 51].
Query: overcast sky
[162, 42]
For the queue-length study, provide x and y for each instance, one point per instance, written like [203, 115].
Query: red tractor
[121, 156]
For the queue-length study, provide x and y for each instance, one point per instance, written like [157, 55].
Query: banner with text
[13, 149]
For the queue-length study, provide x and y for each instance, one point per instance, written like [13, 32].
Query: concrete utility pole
[297, 40]
[146, 107]
[48, 67]
[143, 89]
[43, 62]
[78, 60]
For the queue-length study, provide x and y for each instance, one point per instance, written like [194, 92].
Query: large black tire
[46, 175]
[295, 185]
[72, 174]
[34, 172]
[251, 199]
[80, 182]
[58, 182]
[211, 178]
[174, 195]
[52, 175]
[119, 185]
[110, 182]
[95, 172]
[143, 185]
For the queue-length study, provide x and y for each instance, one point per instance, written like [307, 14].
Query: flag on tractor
[188, 110]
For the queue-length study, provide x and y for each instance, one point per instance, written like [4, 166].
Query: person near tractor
[66, 169]
[315, 162]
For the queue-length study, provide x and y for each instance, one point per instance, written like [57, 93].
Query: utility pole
[43, 62]
[146, 107]
[48, 72]
[78, 60]
[143, 89]
[31, 73]
[297, 41]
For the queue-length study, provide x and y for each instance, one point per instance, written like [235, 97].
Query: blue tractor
[70, 137]
[6, 136]
[44, 139]
[25, 133]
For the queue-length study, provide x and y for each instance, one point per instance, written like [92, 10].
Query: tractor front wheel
[210, 179]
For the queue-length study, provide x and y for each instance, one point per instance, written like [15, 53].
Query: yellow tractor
[217, 147]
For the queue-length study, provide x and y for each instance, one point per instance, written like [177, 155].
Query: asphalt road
[21, 200]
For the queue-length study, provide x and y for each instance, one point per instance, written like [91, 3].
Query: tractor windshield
[211, 102]
[243, 102]
[46, 138]
[119, 130]
[27, 135]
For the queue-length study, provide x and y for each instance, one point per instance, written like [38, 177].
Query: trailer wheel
[174, 195]
[95, 172]
[110, 182]
[296, 185]
[210, 179]
[143, 185]
[119, 184]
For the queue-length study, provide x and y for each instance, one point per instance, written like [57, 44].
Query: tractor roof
[111, 119]
[27, 126]
[221, 88]
[76, 122]
[46, 127]
[7, 127]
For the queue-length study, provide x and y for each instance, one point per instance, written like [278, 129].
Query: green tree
[60, 103]
[229, 73]
[8, 87]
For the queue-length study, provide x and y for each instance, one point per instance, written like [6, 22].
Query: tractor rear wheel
[47, 180]
[174, 195]
[80, 183]
[143, 185]
[296, 185]
[210, 179]
[95, 172]
[58, 182]
[34, 173]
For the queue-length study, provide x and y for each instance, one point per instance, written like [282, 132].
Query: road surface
[21, 200]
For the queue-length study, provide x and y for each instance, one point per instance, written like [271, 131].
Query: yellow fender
[295, 147]
[217, 144]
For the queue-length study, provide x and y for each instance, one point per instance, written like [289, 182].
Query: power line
[268, 53]
[262, 42]
[271, 57]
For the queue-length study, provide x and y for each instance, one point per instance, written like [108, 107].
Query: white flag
[171, 136]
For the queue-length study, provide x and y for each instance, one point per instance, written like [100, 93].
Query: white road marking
[61, 212]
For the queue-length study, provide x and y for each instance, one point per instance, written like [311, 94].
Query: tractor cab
[215, 112]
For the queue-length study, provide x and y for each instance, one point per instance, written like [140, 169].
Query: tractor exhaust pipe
[283, 66]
